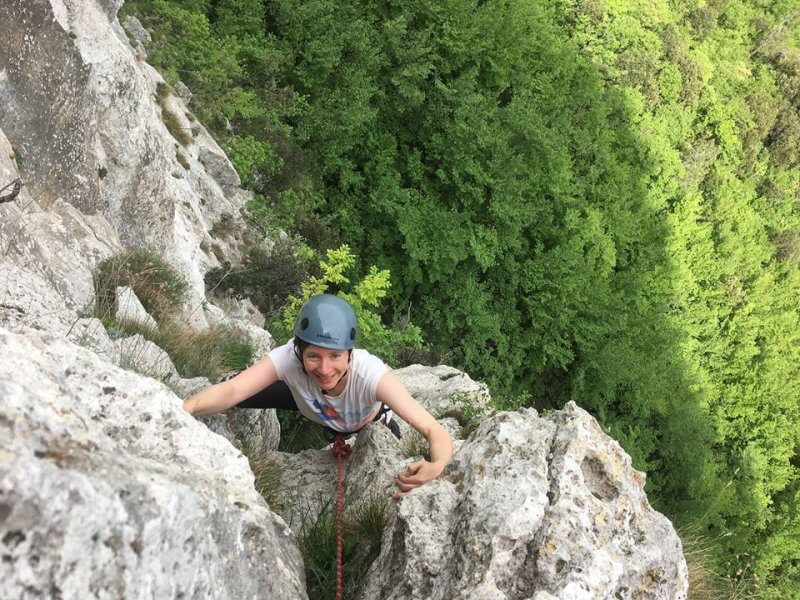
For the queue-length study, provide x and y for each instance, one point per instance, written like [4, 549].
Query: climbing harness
[341, 451]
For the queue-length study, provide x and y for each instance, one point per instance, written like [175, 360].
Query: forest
[588, 200]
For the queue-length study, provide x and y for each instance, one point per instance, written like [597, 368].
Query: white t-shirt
[356, 406]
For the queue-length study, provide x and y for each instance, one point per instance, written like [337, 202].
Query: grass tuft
[159, 286]
[268, 480]
[361, 544]
[174, 126]
[414, 444]
[705, 582]
[208, 353]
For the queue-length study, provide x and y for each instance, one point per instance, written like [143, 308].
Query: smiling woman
[323, 376]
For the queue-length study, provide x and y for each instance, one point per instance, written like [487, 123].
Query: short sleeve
[283, 358]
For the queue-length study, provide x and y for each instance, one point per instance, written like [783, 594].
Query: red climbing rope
[341, 451]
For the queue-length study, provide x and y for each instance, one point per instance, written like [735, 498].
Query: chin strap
[337, 383]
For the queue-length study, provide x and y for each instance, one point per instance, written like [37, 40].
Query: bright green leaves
[365, 297]
[254, 160]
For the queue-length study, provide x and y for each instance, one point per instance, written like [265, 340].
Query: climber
[320, 374]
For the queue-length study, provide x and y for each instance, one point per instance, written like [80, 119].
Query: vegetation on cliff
[576, 199]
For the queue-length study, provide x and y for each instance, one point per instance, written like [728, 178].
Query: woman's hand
[418, 473]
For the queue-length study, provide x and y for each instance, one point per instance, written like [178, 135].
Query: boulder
[128, 307]
[532, 508]
[108, 489]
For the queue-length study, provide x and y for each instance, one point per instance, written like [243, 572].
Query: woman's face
[325, 366]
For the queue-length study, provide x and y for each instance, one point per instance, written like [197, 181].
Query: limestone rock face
[309, 477]
[127, 306]
[529, 508]
[85, 126]
[108, 489]
[442, 388]
[532, 508]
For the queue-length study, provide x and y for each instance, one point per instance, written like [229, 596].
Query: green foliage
[159, 287]
[255, 160]
[361, 543]
[729, 383]
[267, 275]
[467, 412]
[299, 433]
[223, 53]
[364, 296]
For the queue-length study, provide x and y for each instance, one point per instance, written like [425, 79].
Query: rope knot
[340, 448]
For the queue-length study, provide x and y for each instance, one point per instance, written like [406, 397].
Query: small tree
[364, 296]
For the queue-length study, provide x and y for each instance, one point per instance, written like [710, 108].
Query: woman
[320, 374]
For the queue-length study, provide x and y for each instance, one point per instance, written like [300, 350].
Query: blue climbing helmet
[327, 321]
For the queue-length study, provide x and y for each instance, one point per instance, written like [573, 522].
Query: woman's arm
[223, 395]
[393, 394]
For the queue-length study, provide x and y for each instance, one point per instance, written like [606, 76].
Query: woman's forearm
[441, 445]
[210, 400]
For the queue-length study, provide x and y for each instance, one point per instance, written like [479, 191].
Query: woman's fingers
[417, 474]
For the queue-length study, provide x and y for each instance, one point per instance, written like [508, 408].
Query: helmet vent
[304, 324]
[352, 333]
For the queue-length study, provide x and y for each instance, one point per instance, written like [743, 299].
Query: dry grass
[414, 444]
[208, 353]
[705, 581]
[158, 285]
[174, 126]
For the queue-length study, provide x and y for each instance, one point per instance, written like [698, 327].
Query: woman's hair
[299, 347]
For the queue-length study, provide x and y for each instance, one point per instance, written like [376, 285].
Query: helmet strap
[337, 382]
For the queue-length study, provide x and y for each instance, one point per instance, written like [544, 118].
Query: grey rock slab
[108, 489]
[531, 507]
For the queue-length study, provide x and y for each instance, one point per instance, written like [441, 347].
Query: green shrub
[267, 275]
[159, 287]
[254, 160]
[298, 433]
[361, 544]
[365, 297]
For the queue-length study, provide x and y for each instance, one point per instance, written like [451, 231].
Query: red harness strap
[341, 451]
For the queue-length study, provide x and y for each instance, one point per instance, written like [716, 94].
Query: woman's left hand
[418, 473]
